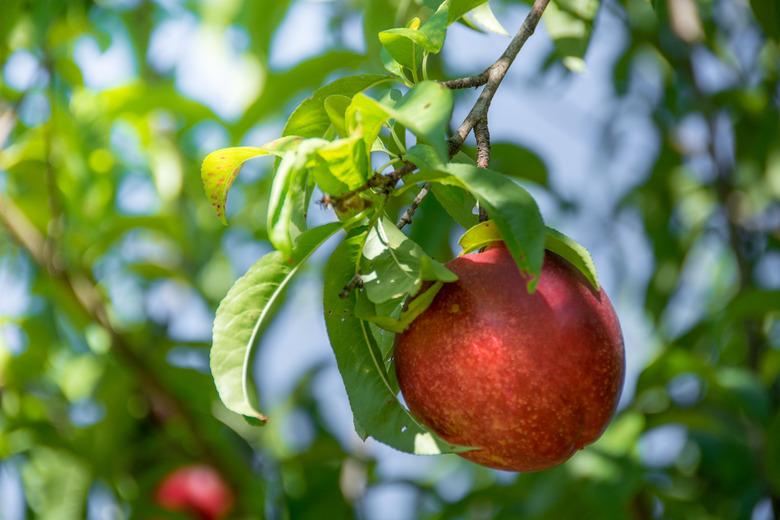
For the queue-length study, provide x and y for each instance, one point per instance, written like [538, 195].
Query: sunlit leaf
[245, 313]
[426, 111]
[335, 107]
[479, 236]
[365, 116]
[310, 118]
[395, 266]
[286, 217]
[407, 44]
[574, 253]
[56, 484]
[220, 168]
[460, 7]
[482, 17]
[341, 165]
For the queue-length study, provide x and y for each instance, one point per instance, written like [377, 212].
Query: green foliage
[485, 233]
[572, 252]
[372, 394]
[395, 267]
[310, 119]
[244, 314]
[570, 23]
[221, 168]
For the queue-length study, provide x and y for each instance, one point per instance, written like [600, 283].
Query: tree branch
[406, 218]
[491, 78]
[467, 81]
[482, 133]
[496, 72]
[377, 181]
[356, 281]
[90, 301]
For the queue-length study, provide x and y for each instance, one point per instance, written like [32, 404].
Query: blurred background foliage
[661, 153]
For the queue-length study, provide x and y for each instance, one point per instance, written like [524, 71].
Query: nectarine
[198, 490]
[527, 379]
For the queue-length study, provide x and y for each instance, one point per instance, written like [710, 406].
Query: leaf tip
[257, 419]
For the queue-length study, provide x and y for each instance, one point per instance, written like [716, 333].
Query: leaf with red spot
[221, 167]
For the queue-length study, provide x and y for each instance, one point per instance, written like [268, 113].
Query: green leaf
[220, 168]
[574, 253]
[457, 202]
[244, 314]
[56, 483]
[514, 211]
[425, 157]
[365, 116]
[310, 119]
[518, 162]
[570, 23]
[393, 67]
[482, 18]
[426, 111]
[396, 266]
[335, 106]
[288, 197]
[375, 407]
[767, 14]
[406, 44]
[341, 165]
[435, 28]
[460, 7]
[367, 310]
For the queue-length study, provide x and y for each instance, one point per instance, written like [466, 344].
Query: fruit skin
[527, 378]
[197, 489]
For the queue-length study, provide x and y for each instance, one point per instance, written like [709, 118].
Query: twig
[497, 71]
[491, 78]
[482, 133]
[406, 218]
[376, 181]
[468, 81]
[355, 282]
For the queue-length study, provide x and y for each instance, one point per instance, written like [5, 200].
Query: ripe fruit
[526, 378]
[198, 490]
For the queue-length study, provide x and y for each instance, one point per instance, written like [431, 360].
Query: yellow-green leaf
[221, 167]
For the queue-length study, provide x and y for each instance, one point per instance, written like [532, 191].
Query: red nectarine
[527, 379]
[198, 490]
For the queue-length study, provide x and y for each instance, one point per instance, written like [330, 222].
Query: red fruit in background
[527, 378]
[198, 490]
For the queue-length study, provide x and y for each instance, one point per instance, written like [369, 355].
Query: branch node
[406, 218]
[355, 282]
